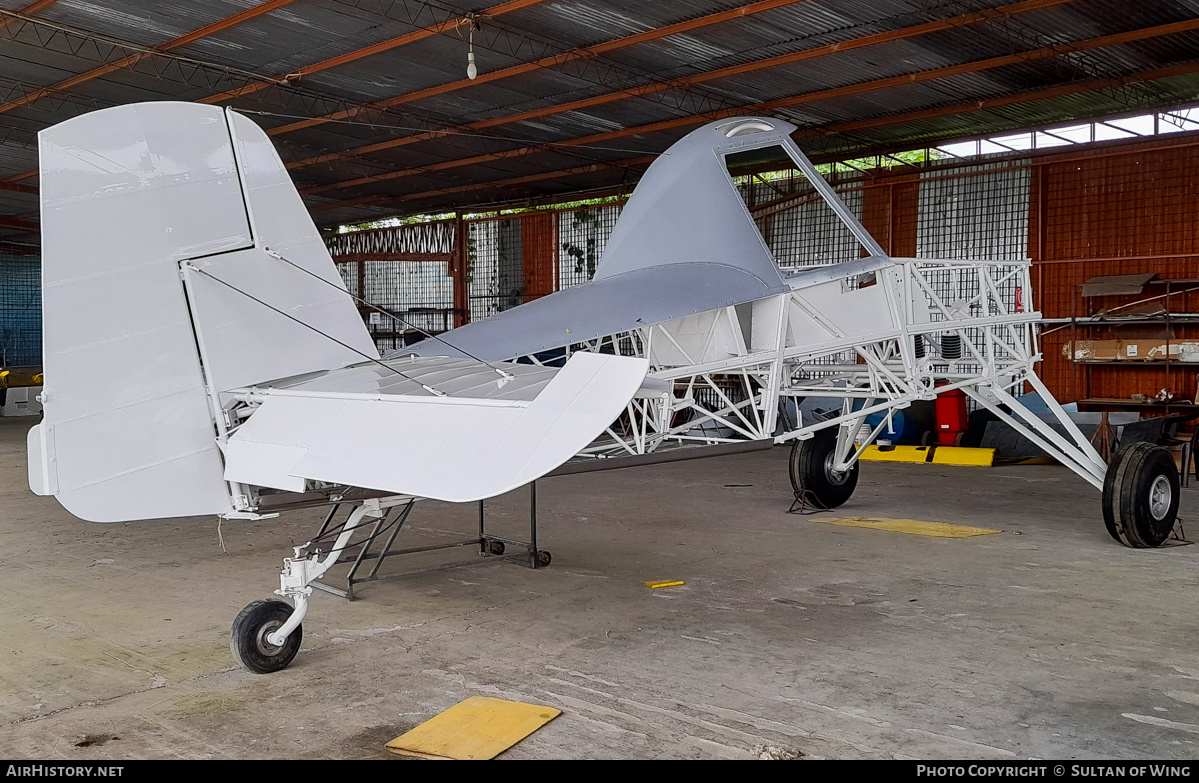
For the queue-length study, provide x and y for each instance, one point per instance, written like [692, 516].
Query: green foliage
[889, 161]
[472, 256]
[393, 222]
[585, 257]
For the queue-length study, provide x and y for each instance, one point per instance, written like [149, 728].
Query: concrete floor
[1048, 641]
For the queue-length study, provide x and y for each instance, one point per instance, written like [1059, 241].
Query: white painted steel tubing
[297, 595]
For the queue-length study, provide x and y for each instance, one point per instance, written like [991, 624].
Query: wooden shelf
[1178, 303]
[1107, 403]
[1174, 363]
[1162, 320]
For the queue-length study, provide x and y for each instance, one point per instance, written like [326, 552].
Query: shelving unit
[1174, 295]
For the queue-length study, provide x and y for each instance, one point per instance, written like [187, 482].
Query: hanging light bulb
[471, 69]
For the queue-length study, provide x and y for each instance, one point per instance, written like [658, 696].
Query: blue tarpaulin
[20, 310]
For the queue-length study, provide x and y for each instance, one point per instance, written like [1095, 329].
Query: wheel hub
[834, 476]
[260, 639]
[1160, 497]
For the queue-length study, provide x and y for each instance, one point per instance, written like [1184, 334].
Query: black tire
[1112, 481]
[812, 474]
[495, 547]
[1141, 493]
[1110, 506]
[248, 642]
[543, 558]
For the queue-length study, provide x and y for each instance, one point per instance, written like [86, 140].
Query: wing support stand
[491, 546]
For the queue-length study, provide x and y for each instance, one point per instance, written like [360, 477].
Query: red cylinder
[952, 418]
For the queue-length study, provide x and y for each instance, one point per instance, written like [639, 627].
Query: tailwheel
[1140, 495]
[248, 640]
[812, 474]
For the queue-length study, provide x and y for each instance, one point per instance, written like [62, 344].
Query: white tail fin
[157, 219]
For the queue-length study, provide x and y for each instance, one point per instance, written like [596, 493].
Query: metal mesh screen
[809, 233]
[419, 292]
[801, 229]
[494, 266]
[513, 260]
[403, 270]
[797, 224]
[582, 237]
[349, 275]
[20, 310]
[975, 212]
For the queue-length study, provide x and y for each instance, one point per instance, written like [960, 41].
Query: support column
[460, 271]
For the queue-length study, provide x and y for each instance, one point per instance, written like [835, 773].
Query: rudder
[132, 364]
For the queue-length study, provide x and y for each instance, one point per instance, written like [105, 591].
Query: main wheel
[811, 468]
[248, 641]
[1140, 495]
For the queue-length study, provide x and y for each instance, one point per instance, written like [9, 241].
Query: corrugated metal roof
[372, 102]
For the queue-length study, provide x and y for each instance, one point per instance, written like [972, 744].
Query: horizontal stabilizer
[456, 449]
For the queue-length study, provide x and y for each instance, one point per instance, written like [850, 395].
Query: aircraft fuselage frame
[903, 342]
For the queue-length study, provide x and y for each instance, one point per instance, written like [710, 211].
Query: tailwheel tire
[248, 641]
[1141, 492]
[812, 474]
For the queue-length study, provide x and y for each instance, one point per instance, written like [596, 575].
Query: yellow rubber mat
[938, 455]
[479, 728]
[896, 454]
[959, 455]
[914, 526]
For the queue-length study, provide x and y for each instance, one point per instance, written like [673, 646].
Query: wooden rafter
[1077, 88]
[1044, 52]
[133, 59]
[656, 87]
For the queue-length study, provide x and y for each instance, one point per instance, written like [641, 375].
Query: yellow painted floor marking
[913, 526]
[479, 728]
[664, 583]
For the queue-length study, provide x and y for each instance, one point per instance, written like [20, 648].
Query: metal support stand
[492, 547]
[806, 504]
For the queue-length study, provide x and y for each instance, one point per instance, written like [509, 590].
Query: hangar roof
[371, 108]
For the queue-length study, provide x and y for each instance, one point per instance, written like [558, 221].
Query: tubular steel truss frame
[953, 324]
